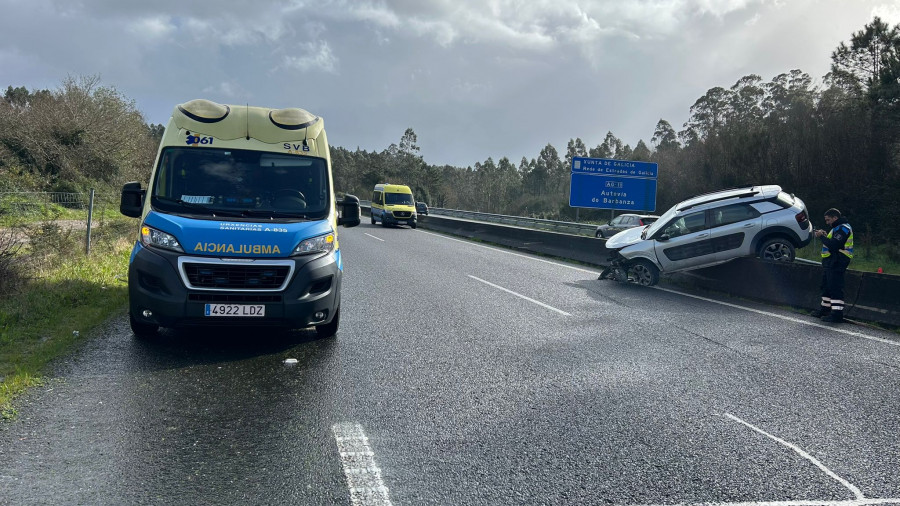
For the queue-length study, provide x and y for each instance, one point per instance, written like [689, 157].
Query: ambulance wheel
[142, 330]
[329, 329]
[412, 225]
[373, 218]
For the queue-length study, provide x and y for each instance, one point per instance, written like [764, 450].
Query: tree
[871, 52]
[664, 136]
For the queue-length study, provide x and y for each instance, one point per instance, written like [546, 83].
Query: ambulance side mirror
[132, 202]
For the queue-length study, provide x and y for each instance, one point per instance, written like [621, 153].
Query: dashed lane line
[373, 237]
[529, 299]
[816, 462]
[358, 461]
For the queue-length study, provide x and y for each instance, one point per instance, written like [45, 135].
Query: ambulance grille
[235, 276]
[402, 214]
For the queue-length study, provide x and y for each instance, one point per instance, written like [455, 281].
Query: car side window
[734, 213]
[687, 224]
[617, 221]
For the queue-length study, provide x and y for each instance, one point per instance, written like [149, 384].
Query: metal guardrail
[585, 229]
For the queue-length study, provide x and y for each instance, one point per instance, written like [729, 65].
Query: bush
[12, 273]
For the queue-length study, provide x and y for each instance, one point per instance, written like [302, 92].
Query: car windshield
[662, 220]
[398, 199]
[233, 182]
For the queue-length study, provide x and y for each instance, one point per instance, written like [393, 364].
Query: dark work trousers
[833, 269]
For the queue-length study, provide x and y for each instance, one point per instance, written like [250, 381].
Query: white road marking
[810, 502]
[767, 313]
[358, 460]
[849, 486]
[529, 299]
[788, 318]
[373, 237]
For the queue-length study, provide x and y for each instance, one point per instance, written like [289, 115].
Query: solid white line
[358, 460]
[849, 486]
[810, 502]
[373, 237]
[767, 313]
[529, 299]
[788, 318]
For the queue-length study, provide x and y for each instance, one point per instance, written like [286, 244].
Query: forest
[836, 144]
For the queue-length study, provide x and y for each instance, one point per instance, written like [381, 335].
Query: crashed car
[710, 229]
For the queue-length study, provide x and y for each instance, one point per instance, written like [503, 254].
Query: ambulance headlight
[152, 237]
[320, 244]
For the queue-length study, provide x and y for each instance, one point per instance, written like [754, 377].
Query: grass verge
[65, 296]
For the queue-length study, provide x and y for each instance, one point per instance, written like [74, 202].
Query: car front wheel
[644, 273]
[599, 234]
[777, 250]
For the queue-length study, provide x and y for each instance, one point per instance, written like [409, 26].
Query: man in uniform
[837, 251]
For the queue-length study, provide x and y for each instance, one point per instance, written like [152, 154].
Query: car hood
[625, 238]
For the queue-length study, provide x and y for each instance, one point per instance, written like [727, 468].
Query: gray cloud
[473, 78]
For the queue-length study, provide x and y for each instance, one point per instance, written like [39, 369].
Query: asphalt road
[465, 374]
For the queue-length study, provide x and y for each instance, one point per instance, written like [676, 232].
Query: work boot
[822, 312]
[834, 317]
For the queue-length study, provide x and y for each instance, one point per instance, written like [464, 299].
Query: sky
[473, 78]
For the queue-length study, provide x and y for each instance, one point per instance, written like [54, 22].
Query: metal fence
[75, 210]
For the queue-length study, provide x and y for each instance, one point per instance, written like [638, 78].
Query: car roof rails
[727, 194]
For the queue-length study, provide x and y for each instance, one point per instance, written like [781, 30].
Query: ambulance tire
[142, 330]
[412, 224]
[373, 218]
[329, 329]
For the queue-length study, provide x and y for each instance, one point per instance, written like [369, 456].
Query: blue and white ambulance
[240, 223]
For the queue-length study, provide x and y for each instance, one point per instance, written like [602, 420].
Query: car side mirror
[132, 200]
[664, 237]
[349, 211]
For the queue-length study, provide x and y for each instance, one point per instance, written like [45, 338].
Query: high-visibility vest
[848, 244]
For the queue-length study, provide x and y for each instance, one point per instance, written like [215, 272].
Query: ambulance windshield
[232, 182]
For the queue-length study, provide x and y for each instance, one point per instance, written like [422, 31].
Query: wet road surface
[464, 374]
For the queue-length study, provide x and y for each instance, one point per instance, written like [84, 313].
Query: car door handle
[701, 236]
[749, 225]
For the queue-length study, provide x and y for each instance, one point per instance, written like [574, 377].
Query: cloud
[318, 56]
[228, 90]
[153, 28]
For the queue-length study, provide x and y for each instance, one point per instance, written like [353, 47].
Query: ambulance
[239, 224]
[393, 204]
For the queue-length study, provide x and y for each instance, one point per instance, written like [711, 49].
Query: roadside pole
[87, 241]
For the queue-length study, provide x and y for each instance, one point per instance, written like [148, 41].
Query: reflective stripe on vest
[848, 244]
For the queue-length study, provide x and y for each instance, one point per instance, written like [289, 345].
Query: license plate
[235, 310]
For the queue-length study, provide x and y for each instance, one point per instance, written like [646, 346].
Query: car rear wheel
[644, 273]
[777, 249]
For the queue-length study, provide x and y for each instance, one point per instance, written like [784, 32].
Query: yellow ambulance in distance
[393, 204]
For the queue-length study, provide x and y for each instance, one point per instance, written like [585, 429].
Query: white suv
[710, 229]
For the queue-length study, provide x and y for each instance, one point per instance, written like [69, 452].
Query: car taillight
[802, 219]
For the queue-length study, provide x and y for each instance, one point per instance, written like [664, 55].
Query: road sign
[621, 168]
[609, 192]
